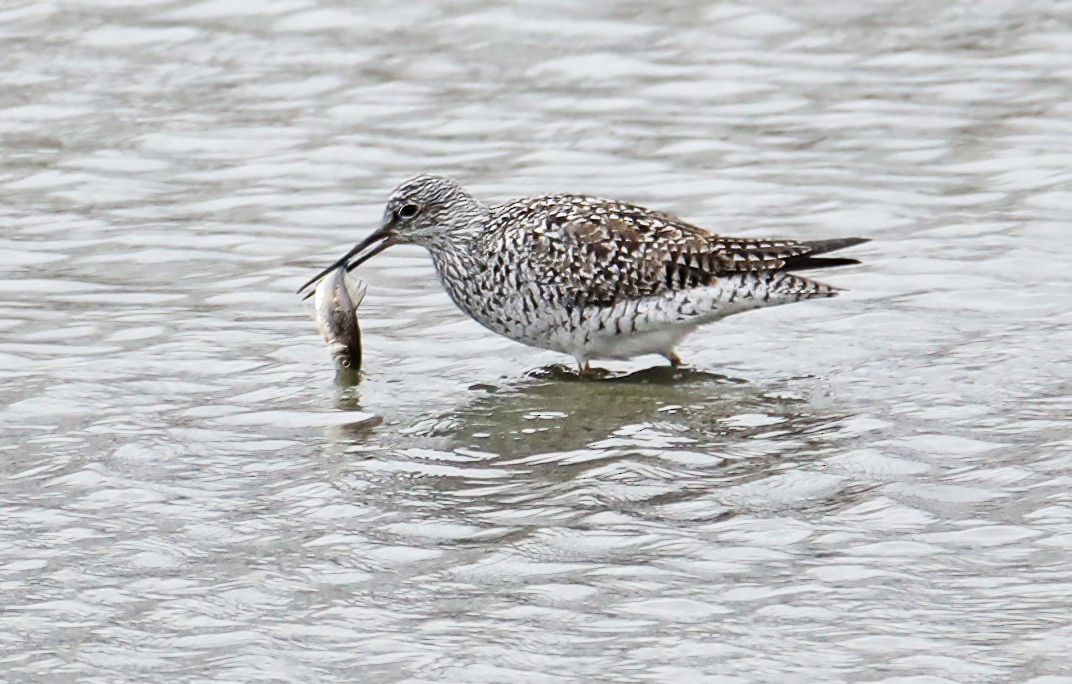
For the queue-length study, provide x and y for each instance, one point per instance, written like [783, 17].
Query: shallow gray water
[869, 489]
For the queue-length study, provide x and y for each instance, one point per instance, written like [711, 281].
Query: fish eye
[408, 211]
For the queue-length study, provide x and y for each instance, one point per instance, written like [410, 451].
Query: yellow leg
[674, 359]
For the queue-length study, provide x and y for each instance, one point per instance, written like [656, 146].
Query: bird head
[423, 210]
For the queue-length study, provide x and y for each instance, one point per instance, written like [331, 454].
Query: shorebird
[589, 277]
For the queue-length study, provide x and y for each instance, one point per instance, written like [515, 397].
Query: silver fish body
[338, 295]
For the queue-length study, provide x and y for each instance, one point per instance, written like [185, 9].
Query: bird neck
[459, 251]
[462, 225]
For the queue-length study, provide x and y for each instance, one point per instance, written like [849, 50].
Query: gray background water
[869, 489]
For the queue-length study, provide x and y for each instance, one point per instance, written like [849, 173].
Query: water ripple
[872, 489]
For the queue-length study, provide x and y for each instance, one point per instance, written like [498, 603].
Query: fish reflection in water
[337, 297]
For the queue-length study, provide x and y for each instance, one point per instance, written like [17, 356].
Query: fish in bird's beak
[370, 247]
[337, 297]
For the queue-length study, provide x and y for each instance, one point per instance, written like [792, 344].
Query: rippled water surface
[876, 488]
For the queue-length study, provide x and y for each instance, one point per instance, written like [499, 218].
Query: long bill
[370, 247]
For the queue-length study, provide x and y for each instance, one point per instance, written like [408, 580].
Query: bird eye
[408, 211]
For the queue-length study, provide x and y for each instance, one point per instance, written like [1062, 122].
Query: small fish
[337, 297]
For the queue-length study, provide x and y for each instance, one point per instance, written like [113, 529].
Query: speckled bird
[590, 277]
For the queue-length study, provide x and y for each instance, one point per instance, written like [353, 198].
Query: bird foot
[586, 372]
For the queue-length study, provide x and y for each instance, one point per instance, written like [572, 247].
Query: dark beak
[372, 245]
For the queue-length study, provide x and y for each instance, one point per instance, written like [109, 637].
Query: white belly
[660, 342]
[651, 325]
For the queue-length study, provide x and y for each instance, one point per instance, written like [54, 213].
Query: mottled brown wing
[620, 251]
